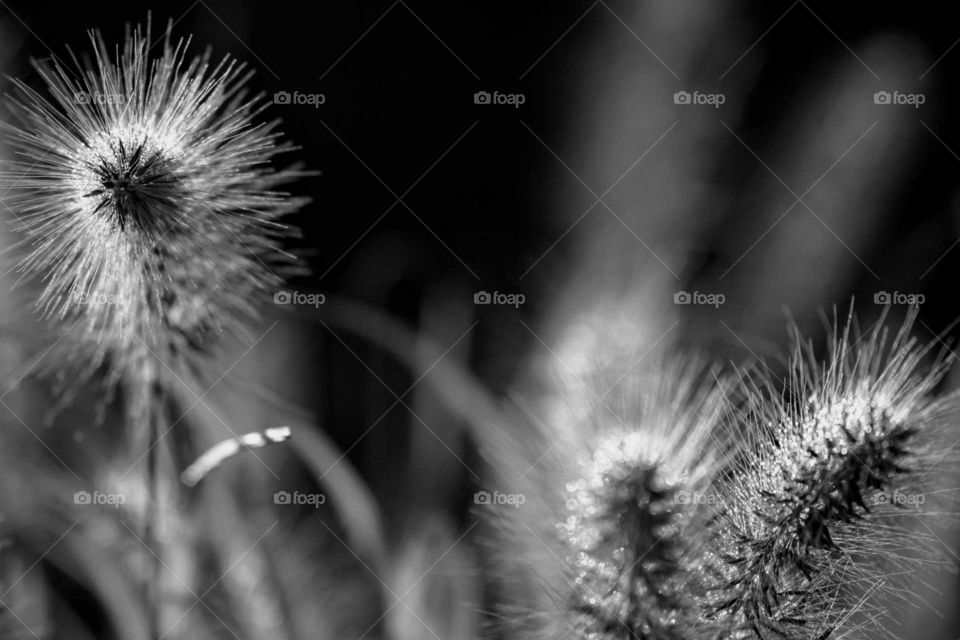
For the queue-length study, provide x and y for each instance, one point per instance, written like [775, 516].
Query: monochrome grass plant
[703, 505]
[820, 533]
[664, 499]
[636, 506]
[144, 191]
[147, 196]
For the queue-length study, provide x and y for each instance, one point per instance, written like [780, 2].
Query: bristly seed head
[822, 457]
[628, 560]
[639, 504]
[148, 202]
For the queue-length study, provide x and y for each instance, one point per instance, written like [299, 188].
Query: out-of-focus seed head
[640, 503]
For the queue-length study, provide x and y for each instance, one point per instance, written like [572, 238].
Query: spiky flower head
[639, 505]
[147, 199]
[815, 528]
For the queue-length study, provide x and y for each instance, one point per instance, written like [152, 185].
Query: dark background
[399, 78]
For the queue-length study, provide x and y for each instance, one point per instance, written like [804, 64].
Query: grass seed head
[813, 534]
[145, 191]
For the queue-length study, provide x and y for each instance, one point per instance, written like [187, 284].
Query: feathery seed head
[806, 531]
[147, 200]
[638, 508]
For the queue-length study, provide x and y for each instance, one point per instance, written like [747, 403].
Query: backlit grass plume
[690, 506]
[634, 470]
[148, 204]
[815, 538]
[145, 191]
